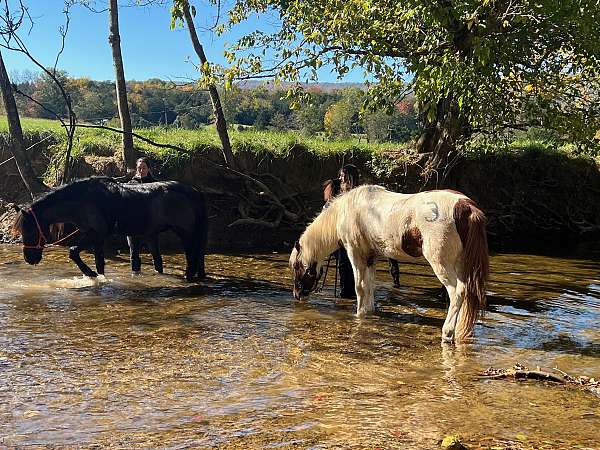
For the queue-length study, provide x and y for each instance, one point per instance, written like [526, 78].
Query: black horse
[100, 206]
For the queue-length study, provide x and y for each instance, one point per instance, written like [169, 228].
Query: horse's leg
[369, 288]
[394, 271]
[134, 253]
[449, 330]
[201, 236]
[364, 282]
[365, 289]
[191, 254]
[188, 243]
[447, 275]
[201, 252]
[201, 272]
[191, 259]
[74, 256]
[154, 247]
[99, 257]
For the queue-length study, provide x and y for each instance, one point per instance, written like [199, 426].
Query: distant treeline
[157, 102]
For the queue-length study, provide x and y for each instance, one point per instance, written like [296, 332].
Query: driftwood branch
[519, 372]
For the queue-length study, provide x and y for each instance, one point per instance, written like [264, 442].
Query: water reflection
[152, 361]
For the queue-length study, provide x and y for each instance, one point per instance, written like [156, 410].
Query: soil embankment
[529, 197]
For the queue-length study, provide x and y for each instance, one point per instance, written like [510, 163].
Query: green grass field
[277, 143]
[104, 142]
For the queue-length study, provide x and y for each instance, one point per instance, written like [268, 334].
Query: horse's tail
[470, 223]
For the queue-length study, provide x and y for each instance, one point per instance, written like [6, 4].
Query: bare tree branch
[63, 30]
[12, 41]
[41, 105]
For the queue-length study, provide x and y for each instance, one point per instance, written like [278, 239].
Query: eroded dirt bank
[528, 197]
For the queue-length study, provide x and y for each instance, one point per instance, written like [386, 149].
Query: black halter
[309, 280]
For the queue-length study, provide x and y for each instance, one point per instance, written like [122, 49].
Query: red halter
[42, 239]
[41, 236]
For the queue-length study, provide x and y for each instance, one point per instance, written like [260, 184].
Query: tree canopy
[488, 65]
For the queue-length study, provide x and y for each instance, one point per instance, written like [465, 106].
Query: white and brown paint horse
[443, 226]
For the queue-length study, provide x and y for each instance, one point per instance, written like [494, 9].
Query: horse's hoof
[136, 273]
[448, 337]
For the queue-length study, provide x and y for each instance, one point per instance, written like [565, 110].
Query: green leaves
[482, 55]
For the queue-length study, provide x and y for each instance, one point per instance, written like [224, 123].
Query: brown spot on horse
[412, 242]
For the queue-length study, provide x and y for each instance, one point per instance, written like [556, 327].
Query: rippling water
[153, 362]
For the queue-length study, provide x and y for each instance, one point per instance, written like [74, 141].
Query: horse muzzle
[32, 256]
[301, 295]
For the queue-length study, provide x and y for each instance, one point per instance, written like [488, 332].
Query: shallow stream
[154, 362]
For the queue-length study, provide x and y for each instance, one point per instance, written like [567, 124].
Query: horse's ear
[297, 246]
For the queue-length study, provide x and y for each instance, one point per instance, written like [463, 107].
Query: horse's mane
[17, 225]
[67, 188]
[321, 234]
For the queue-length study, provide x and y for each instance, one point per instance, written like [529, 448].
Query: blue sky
[150, 48]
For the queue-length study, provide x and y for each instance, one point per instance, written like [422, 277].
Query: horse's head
[306, 274]
[33, 232]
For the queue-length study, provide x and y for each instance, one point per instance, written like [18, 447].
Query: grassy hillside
[105, 143]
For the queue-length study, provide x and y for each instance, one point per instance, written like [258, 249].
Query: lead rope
[64, 238]
[325, 275]
[42, 240]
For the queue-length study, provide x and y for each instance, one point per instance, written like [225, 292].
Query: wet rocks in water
[453, 442]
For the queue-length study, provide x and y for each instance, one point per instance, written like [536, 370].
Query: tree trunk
[129, 153]
[440, 135]
[221, 124]
[17, 143]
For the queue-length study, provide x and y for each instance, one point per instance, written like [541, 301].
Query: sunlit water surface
[154, 362]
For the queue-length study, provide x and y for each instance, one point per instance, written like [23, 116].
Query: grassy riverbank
[104, 142]
[531, 188]
[100, 142]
